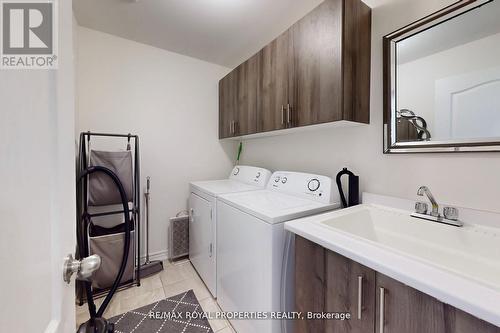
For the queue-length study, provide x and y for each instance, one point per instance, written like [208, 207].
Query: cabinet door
[309, 284]
[350, 288]
[458, 321]
[228, 103]
[317, 44]
[274, 64]
[246, 112]
[403, 309]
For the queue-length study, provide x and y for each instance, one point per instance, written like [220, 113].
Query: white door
[201, 240]
[467, 105]
[37, 192]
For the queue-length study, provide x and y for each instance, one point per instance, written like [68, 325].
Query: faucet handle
[450, 213]
[421, 207]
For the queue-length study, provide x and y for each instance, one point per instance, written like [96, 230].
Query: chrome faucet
[450, 214]
[435, 207]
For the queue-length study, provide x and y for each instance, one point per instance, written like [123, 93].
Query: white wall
[469, 180]
[170, 101]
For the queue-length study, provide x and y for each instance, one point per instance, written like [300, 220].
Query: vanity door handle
[282, 115]
[289, 114]
[382, 310]
[360, 296]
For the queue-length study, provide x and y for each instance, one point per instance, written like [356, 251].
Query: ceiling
[224, 32]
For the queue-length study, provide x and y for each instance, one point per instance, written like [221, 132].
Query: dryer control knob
[313, 185]
[236, 171]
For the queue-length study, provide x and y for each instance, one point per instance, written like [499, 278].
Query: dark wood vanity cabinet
[318, 71]
[350, 288]
[404, 309]
[309, 283]
[328, 282]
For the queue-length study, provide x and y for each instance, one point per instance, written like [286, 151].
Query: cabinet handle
[191, 215]
[232, 127]
[235, 127]
[282, 115]
[360, 296]
[289, 114]
[382, 310]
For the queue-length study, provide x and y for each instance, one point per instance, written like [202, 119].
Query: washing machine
[203, 216]
[255, 254]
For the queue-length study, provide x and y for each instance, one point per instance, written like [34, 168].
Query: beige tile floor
[174, 279]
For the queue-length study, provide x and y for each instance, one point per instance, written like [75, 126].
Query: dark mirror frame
[389, 48]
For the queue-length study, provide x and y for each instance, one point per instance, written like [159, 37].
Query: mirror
[442, 81]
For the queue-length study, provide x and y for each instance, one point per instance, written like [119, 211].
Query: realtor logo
[28, 34]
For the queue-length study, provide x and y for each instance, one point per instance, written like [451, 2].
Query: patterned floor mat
[177, 314]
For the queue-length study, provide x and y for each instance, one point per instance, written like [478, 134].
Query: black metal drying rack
[82, 203]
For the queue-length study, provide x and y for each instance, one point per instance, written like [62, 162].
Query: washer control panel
[315, 187]
[250, 175]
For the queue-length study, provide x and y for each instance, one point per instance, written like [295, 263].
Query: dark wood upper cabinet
[228, 103]
[317, 45]
[246, 113]
[332, 48]
[318, 71]
[274, 70]
[238, 100]
[356, 59]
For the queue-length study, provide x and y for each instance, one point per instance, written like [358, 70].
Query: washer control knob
[313, 185]
[258, 175]
[284, 180]
[277, 179]
[236, 171]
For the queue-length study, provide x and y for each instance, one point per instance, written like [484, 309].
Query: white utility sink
[457, 265]
[470, 251]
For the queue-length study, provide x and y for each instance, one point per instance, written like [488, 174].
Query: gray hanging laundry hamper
[108, 244]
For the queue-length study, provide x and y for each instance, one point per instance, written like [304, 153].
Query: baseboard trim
[154, 256]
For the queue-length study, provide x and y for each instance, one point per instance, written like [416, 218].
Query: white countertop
[480, 298]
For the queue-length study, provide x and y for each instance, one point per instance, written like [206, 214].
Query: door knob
[83, 268]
